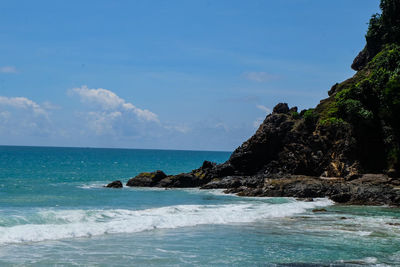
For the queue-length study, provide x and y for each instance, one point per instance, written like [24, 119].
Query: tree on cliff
[383, 29]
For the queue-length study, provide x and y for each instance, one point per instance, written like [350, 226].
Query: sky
[191, 75]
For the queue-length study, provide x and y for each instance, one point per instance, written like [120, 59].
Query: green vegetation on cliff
[383, 29]
[370, 101]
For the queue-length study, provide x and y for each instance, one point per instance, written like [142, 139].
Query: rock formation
[114, 184]
[346, 148]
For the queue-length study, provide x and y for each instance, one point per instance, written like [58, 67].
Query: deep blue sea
[54, 211]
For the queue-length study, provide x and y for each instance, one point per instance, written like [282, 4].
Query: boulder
[183, 180]
[146, 179]
[114, 184]
[281, 108]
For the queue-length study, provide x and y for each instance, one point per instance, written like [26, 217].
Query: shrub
[385, 28]
[295, 115]
[310, 118]
[332, 121]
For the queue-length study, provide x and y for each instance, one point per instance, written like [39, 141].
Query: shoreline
[368, 189]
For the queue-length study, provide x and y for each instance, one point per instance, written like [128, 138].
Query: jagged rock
[263, 147]
[183, 180]
[370, 189]
[361, 60]
[114, 184]
[333, 89]
[285, 145]
[208, 164]
[281, 108]
[147, 179]
[341, 198]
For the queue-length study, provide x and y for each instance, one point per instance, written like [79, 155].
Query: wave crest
[60, 224]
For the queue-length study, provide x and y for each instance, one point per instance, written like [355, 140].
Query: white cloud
[22, 118]
[8, 69]
[102, 122]
[48, 106]
[109, 101]
[4, 116]
[23, 103]
[264, 108]
[258, 76]
[178, 128]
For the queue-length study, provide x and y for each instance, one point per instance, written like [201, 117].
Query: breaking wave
[60, 224]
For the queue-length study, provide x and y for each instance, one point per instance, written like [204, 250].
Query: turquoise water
[54, 211]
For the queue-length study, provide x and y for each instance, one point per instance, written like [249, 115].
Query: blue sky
[172, 74]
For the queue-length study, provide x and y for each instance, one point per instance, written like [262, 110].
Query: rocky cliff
[347, 147]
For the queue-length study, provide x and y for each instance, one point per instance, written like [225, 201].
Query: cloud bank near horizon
[23, 103]
[102, 118]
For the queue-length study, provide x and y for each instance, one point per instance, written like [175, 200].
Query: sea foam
[61, 224]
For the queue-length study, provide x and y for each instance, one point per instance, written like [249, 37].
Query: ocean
[54, 211]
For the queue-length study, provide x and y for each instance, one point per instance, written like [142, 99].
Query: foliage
[385, 28]
[332, 121]
[295, 115]
[310, 118]
[371, 103]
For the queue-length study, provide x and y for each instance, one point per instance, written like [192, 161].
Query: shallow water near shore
[55, 211]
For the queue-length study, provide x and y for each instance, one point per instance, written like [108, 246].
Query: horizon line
[122, 148]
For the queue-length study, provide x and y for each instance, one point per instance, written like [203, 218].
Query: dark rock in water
[309, 199]
[234, 182]
[370, 189]
[182, 180]
[147, 179]
[195, 178]
[319, 210]
[341, 197]
[115, 184]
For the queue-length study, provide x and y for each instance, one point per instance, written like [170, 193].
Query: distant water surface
[55, 211]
